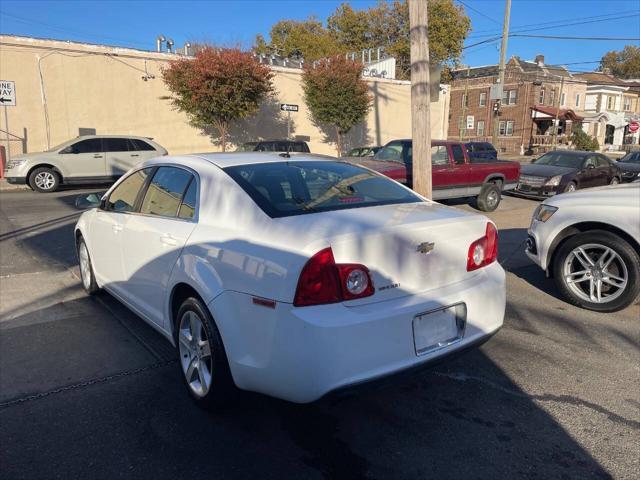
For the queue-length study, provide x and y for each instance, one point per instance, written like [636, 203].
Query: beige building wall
[62, 87]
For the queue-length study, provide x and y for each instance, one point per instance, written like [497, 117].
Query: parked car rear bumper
[302, 354]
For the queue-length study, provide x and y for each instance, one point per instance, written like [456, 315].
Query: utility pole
[420, 97]
[555, 122]
[503, 56]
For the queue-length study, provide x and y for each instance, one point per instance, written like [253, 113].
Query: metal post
[555, 122]
[6, 126]
[503, 56]
[288, 124]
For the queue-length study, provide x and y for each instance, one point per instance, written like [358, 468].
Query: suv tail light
[483, 251]
[323, 281]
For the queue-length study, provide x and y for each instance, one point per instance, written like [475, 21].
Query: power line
[560, 23]
[479, 12]
[562, 37]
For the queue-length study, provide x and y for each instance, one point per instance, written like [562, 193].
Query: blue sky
[137, 23]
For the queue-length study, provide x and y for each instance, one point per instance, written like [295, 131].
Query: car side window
[165, 191]
[115, 145]
[439, 155]
[140, 145]
[188, 205]
[458, 154]
[123, 197]
[92, 145]
[603, 161]
[590, 162]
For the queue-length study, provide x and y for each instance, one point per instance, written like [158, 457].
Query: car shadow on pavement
[92, 381]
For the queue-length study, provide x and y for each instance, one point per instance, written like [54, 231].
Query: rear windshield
[284, 189]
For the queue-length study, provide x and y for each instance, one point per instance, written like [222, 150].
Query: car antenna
[287, 154]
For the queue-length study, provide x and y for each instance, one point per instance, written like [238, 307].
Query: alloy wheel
[85, 266]
[595, 273]
[571, 187]
[45, 180]
[195, 353]
[614, 181]
[492, 199]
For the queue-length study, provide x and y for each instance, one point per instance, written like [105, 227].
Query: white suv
[85, 159]
[589, 241]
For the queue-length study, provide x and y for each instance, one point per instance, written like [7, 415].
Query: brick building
[527, 110]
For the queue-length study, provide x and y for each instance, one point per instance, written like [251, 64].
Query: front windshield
[391, 152]
[561, 159]
[58, 147]
[631, 157]
[283, 189]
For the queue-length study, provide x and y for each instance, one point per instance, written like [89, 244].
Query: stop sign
[633, 126]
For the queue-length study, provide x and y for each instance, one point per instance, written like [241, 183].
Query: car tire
[87, 277]
[201, 356]
[44, 180]
[489, 198]
[571, 187]
[623, 264]
[614, 181]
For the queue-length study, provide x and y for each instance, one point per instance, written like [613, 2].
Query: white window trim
[483, 96]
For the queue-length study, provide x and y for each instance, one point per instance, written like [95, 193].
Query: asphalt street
[87, 390]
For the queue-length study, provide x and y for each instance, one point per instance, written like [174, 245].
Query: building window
[562, 99]
[577, 100]
[541, 97]
[505, 128]
[462, 125]
[610, 102]
[465, 100]
[627, 104]
[552, 97]
[483, 99]
[509, 97]
[480, 128]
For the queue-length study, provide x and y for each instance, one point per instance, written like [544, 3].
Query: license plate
[523, 187]
[439, 328]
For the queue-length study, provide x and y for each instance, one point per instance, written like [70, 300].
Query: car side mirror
[67, 150]
[85, 202]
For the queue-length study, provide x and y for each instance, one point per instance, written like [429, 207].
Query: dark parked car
[566, 171]
[630, 166]
[453, 175]
[363, 151]
[481, 151]
[274, 146]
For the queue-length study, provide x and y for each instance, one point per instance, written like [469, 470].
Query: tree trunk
[339, 141]
[222, 128]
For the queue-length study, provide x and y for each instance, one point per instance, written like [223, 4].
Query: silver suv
[85, 159]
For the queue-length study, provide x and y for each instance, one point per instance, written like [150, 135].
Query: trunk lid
[408, 248]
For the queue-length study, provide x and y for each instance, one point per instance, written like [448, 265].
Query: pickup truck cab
[453, 174]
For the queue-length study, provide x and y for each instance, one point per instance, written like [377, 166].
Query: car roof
[233, 159]
[85, 137]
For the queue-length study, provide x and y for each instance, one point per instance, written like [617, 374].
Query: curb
[6, 186]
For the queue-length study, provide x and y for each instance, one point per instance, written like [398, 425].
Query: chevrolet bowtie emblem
[426, 247]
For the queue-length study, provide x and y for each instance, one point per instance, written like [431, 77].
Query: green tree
[290, 38]
[624, 63]
[583, 141]
[383, 25]
[336, 95]
[217, 87]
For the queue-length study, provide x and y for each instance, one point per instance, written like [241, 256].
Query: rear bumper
[16, 180]
[302, 354]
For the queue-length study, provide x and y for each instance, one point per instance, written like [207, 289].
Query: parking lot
[87, 390]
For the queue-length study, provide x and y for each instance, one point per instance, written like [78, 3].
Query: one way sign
[7, 93]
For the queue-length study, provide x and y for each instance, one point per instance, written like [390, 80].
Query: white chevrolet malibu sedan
[589, 241]
[293, 276]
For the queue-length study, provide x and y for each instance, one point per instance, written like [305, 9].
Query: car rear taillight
[323, 281]
[483, 251]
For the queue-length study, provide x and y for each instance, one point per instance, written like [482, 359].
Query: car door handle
[135, 155]
[116, 227]
[97, 155]
[168, 240]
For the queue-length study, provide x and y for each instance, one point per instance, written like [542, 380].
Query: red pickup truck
[453, 174]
